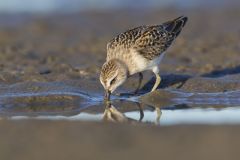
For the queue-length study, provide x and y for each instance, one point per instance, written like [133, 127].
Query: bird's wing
[156, 39]
[153, 42]
[149, 41]
[124, 40]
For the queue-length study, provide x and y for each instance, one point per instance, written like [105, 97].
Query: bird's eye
[113, 81]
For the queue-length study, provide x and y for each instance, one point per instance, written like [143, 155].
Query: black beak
[107, 95]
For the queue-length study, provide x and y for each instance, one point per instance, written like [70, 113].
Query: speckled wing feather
[148, 41]
[124, 40]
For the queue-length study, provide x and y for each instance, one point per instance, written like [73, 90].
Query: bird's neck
[122, 65]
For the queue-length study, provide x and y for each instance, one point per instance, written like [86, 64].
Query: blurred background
[59, 46]
[63, 6]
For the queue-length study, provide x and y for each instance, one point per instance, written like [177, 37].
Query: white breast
[143, 64]
[140, 62]
[155, 62]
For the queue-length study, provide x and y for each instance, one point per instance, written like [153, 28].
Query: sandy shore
[84, 140]
[73, 47]
[68, 50]
[65, 52]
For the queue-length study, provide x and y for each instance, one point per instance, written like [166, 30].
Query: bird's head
[113, 74]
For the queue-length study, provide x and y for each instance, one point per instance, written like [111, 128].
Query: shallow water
[168, 117]
[62, 102]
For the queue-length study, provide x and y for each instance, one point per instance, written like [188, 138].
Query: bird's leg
[157, 82]
[140, 111]
[140, 78]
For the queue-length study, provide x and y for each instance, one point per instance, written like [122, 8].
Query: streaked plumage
[139, 49]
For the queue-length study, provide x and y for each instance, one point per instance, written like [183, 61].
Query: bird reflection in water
[111, 114]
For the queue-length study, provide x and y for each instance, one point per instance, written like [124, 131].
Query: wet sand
[84, 140]
[42, 54]
[73, 48]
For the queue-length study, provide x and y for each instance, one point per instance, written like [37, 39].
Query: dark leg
[140, 111]
[139, 82]
[137, 89]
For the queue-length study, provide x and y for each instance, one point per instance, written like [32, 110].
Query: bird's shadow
[168, 80]
[222, 72]
[178, 80]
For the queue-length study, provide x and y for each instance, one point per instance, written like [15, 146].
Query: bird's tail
[175, 26]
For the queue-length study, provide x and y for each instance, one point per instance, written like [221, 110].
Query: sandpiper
[137, 50]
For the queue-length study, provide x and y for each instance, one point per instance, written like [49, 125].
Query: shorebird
[137, 50]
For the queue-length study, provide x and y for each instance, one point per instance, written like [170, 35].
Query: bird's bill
[107, 95]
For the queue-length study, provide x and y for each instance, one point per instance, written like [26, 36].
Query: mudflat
[72, 47]
[86, 140]
[49, 65]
